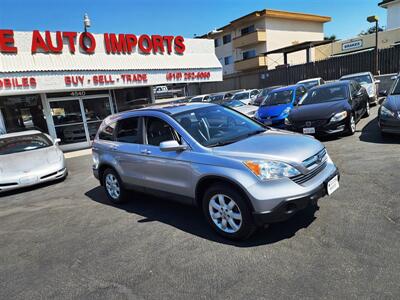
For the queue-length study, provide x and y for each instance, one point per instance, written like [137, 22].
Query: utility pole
[375, 19]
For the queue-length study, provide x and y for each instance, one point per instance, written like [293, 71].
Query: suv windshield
[363, 79]
[213, 126]
[240, 96]
[276, 98]
[325, 94]
[23, 143]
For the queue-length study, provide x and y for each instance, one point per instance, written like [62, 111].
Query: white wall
[282, 33]
[393, 15]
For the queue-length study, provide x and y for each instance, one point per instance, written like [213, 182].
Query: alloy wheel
[225, 213]
[368, 108]
[112, 186]
[352, 124]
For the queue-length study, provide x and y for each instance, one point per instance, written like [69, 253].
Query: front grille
[300, 179]
[315, 123]
[315, 159]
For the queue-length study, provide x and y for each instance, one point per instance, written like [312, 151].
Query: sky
[176, 17]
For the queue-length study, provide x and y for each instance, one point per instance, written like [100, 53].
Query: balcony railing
[258, 36]
[250, 63]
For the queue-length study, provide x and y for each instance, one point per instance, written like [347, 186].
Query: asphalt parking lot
[65, 240]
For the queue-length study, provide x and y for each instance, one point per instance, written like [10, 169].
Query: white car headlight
[339, 117]
[385, 112]
[251, 113]
[256, 115]
[267, 170]
[286, 111]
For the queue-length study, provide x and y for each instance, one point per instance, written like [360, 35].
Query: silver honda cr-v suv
[240, 173]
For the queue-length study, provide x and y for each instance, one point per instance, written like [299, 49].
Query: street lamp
[86, 22]
[375, 19]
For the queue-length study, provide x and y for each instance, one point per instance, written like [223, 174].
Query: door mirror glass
[172, 146]
[383, 93]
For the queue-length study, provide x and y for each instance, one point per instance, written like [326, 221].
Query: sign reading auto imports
[113, 43]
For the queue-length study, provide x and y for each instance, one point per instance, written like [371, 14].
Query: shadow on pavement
[190, 219]
[371, 134]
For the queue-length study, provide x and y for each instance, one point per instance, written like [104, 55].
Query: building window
[217, 42]
[226, 39]
[228, 60]
[249, 54]
[247, 30]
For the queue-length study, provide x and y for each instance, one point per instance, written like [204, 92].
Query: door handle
[145, 151]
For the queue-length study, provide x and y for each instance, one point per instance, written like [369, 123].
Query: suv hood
[274, 145]
[318, 111]
[272, 111]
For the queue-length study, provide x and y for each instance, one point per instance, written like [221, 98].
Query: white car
[248, 110]
[309, 83]
[201, 98]
[246, 96]
[367, 80]
[28, 158]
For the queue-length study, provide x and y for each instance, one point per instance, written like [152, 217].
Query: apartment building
[393, 13]
[240, 45]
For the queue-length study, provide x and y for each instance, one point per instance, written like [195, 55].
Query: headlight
[385, 112]
[256, 115]
[252, 113]
[267, 170]
[95, 158]
[339, 117]
[287, 121]
[286, 111]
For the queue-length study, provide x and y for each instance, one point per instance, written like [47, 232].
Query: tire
[232, 218]
[351, 126]
[113, 187]
[368, 111]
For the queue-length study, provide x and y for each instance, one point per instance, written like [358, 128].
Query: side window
[353, 89]
[299, 94]
[159, 131]
[107, 132]
[253, 93]
[128, 131]
[206, 98]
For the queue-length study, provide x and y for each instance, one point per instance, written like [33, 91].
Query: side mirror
[383, 93]
[172, 146]
[393, 77]
[377, 81]
[57, 141]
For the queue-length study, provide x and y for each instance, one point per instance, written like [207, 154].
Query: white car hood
[23, 163]
[247, 109]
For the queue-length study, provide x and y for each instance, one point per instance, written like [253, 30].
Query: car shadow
[371, 134]
[190, 219]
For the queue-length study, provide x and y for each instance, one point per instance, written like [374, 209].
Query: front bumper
[278, 200]
[277, 122]
[34, 180]
[322, 129]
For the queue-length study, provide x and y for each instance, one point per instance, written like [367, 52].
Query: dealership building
[66, 83]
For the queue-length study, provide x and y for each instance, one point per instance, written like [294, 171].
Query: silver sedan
[28, 158]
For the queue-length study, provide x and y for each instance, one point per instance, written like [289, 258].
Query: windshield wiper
[237, 139]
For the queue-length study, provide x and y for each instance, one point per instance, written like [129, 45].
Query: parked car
[162, 91]
[309, 83]
[223, 95]
[201, 98]
[246, 96]
[367, 80]
[240, 173]
[263, 94]
[28, 158]
[389, 111]
[248, 110]
[278, 104]
[332, 108]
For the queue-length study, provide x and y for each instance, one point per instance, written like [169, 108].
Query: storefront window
[18, 113]
[127, 99]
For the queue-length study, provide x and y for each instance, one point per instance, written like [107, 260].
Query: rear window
[24, 143]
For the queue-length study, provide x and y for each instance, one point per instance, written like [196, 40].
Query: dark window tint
[107, 132]
[248, 30]
[23, 143]
[217, 43]
[226, 39]
[249, 54]
[128, 131]
[396, 89]
[159, 131]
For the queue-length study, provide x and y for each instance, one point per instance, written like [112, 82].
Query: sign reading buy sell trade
[113, 43]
